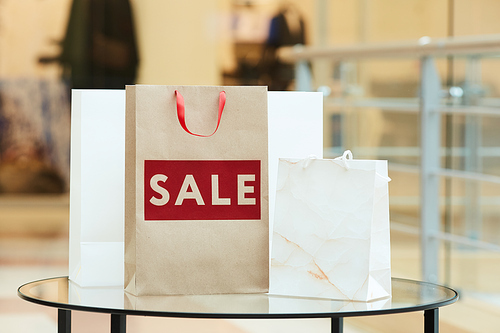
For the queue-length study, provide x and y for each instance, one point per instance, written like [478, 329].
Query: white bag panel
[295, 131]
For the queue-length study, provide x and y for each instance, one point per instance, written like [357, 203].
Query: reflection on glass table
[61, 293]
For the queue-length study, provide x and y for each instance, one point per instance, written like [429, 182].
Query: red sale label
[202, 190]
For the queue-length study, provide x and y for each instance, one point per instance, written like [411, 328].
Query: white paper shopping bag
[97, 187]
[331, 235]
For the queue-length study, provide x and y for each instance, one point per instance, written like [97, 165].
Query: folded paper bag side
[96, 191]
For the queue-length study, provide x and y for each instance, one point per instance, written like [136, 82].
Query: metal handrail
[425, 46]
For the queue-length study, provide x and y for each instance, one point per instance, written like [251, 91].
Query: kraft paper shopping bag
[97, 187]
[196, 190]
[331, 235]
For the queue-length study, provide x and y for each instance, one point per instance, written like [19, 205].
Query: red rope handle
[181, 112]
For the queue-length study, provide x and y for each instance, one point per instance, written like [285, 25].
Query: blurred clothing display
[34, 103]
[100, 50]
[287, 28]
[249, 25]
[34, 136]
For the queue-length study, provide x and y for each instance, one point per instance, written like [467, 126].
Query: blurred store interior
[377, 62]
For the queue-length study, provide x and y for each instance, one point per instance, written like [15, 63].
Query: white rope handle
[309, 159]
[347, 155]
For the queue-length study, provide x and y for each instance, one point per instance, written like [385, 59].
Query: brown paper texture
[194, 257]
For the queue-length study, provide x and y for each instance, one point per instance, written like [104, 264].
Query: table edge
[147, 313]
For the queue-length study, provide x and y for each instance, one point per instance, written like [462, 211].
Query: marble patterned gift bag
[331, 235]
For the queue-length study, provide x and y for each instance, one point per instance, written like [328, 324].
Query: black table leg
[431, 321]
[63, 321]
[118, 323]
[337, 325]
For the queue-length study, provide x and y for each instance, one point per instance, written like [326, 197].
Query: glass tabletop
[60, 292]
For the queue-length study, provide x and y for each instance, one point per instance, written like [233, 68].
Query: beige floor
[33, 245]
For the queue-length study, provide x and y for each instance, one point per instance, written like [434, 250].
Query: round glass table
[63, 294]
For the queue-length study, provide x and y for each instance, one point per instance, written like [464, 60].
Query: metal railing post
[472, 144]
[303, 79]
[430, 144]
